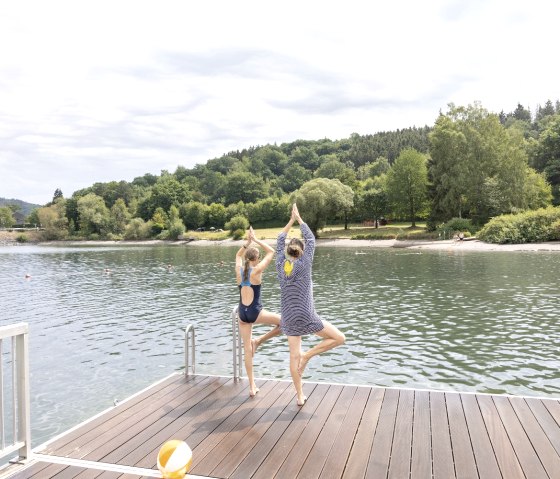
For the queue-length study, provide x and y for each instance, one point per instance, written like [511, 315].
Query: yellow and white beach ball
[174, 459]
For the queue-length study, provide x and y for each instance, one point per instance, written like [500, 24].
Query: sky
[98, 91]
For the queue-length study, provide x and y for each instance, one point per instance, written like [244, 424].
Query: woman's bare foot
[302, 363]
[253, 390]
[254, 346]
[301, 401]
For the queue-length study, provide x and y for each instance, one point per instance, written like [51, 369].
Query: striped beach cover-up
[297, 308]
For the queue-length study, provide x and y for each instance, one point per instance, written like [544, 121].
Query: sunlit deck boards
[341, 432]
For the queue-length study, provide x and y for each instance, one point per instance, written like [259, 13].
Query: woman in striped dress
[298, 315]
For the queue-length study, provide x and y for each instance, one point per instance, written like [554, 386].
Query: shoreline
[440, 245]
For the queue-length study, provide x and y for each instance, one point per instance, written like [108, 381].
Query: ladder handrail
[237, 348]
[189, 330]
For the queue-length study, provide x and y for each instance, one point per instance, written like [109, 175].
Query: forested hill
[22, 207]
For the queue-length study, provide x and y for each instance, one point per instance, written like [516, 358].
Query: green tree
[6, 217]
[537, 192]
[168, 191]
[237, 223]
[194, 214]
[547, 156]
[323, 199]
[119, 217]
[372, 200]
[407, 184]
[217, 215]
[334, 169]
[371, 170]
[94, 215]
[273, 159]
[305, 157]
[471, 153]
[294, 176]
[212, 185]
[138, 229]
[57, 194]
[236, 209]
[242, 186]
[53, 221]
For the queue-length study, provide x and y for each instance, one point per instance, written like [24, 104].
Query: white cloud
[101, 91]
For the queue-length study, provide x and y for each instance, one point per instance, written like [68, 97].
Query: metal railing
[189, 351]
[19, 413]
[237, 348]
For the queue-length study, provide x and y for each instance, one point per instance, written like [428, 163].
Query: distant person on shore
[248, 271]
[293, 266]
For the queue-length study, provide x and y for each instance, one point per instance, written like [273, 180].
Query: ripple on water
[469, 322]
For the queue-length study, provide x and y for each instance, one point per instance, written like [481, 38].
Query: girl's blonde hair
[251, 254]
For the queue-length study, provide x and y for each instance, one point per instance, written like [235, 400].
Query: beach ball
[174, 459]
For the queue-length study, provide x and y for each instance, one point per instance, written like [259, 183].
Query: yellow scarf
[288, 267]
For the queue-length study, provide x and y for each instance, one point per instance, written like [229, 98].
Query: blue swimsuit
[249, 314]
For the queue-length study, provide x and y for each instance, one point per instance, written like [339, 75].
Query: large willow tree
[323, 199]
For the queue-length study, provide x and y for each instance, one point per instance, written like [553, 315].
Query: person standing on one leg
[298, 316]
[248, 272]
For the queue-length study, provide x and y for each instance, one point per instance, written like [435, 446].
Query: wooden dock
[343, 431]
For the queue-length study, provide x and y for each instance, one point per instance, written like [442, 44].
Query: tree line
[470, 164]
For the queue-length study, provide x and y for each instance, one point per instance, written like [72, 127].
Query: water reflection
[107, 321]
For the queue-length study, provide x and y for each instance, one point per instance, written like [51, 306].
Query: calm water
[446, 320]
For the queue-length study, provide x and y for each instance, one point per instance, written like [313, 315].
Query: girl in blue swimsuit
[248, 271]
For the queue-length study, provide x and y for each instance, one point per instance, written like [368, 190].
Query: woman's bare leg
[266, 317]
[245, 329]
[332, 338]
[294, 343]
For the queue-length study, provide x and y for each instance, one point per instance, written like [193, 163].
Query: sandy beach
[9, 238]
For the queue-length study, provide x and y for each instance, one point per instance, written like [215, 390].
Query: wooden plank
[167, 413]
[269, 441]
[342, 431]
[553, 407]
[336, 462]
[315, 461]
[227, 466]
[103, 445]
[378, 464]
[485, 458]
[147, 443]
[421, 464]
[314, 424]
[541, 410]
[465, 465]
[545, 451]
[227, 445]
[505, 455]
[79, 446]
[356, 466]
[442, 455]
[207, 442]
[125, 409]
[526, 454]
[399, 465]
[277, 456]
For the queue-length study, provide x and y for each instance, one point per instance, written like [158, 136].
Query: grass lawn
[391, 231]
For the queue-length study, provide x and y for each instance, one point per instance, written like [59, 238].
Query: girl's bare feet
[301, 401]
[254, 346]
[253, 390]
[302, 363]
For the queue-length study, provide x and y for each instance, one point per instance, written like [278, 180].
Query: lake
[445, 320]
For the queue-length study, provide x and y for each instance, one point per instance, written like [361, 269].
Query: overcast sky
[96, 91]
